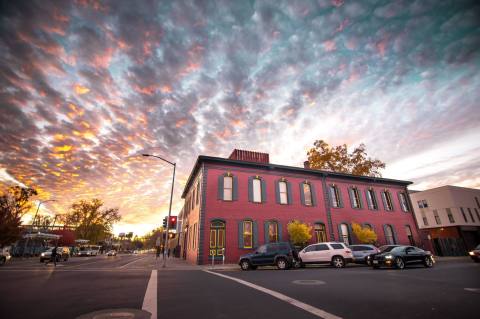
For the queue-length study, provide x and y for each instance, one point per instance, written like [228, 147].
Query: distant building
[233, 205]
[450, 217]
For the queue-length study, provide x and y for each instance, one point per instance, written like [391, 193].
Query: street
[84, 285]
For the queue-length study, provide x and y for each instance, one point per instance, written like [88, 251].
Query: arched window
[217, 238]
[271, 230]
[227, 188]
[307, 193]
[282, 188]
[408, 230]
[320, 233]
[389, 235]
[247, 234]
[344, 234]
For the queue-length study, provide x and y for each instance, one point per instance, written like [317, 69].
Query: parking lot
[82, 285]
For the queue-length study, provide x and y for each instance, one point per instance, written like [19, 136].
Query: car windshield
[385, 249]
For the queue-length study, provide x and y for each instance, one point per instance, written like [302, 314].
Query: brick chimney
[249, 156]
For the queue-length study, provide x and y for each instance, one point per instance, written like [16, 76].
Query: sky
[87, 86]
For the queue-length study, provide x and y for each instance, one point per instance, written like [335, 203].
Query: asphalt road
[82, 285]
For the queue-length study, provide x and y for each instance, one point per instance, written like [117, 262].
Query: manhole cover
[117, 314]
[309, 282]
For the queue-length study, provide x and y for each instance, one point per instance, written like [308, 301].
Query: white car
[4, 257]
[112, 253]
[334, 253]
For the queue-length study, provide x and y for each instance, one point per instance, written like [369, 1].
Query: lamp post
[33, 222]
[170, 206]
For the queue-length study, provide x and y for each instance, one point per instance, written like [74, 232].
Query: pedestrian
[158, 251]
[168, 252]
[53, 256]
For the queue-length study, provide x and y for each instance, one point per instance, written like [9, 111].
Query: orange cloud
[181, 123]
[329, 45]
[64, 148]
[80, 90]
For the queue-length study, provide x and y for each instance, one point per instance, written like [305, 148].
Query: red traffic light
[172, 222]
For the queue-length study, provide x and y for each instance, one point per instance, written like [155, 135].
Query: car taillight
[349, 251]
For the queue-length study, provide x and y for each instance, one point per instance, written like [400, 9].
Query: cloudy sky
[87, 86]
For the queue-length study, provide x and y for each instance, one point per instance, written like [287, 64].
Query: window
[355, 197]
[321, 247]
[217, 238]
[408, 230]
[471, 215]
[389, 235]
[272, 232]
[310, 248]
[437, 218]
[425, 220]
[387, 200]
[227, 188]
[343, 234]
[194, 235]
[320, 233]
[282, 188]
[247, 234]
[372, 200]
[193, 198]
[403, 201]
[335, 196]
[450, 216]
[422, 203]
[463, 213]
[478, 215]
[262, 249]
[198, 192]
[257, 190]
[338, 246]
[307, 193]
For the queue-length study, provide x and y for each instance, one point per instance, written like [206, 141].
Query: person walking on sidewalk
[53, 256]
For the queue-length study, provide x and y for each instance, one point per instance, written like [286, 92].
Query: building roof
[209, 159]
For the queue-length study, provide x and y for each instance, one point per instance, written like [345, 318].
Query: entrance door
[217, 238]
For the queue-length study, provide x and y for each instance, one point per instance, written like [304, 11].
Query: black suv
[283, 255]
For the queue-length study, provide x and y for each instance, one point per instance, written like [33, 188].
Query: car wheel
[282, 264]
[3, 260]
[399, 263]
[338, 262]
[428, 262]
[245, 264]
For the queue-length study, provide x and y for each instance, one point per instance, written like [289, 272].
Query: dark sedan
[475, 254]
[382, 249]
[401, 256]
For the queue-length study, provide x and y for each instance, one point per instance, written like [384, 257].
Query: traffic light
[172, 222]
[165, 222]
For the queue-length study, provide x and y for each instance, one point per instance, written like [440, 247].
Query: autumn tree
[91, 221]
[14, 204]
[364, 234]
[338, 159]
[299, 233]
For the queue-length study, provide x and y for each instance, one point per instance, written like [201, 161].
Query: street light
[170, 206]
[33, 222]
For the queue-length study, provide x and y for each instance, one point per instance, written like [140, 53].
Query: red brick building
[234, 205]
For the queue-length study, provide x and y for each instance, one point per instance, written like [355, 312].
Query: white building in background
[450, 216]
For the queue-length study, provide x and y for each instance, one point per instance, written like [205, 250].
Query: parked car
[283, 255]
[401, 256]
[361, 252]
[336, 254]
[475, 254]
[4, 257]
[63, 253]
[112, 253]
[382, 249]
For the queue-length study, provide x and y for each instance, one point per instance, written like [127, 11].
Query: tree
[299, 232]
[337, 159]
[365, 234]
[14, 204]
[151, 238]
[90, 221]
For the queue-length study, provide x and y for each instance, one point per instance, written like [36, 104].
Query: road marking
[315, 311]
[132, 262]
[308, 282]
[150, 299]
